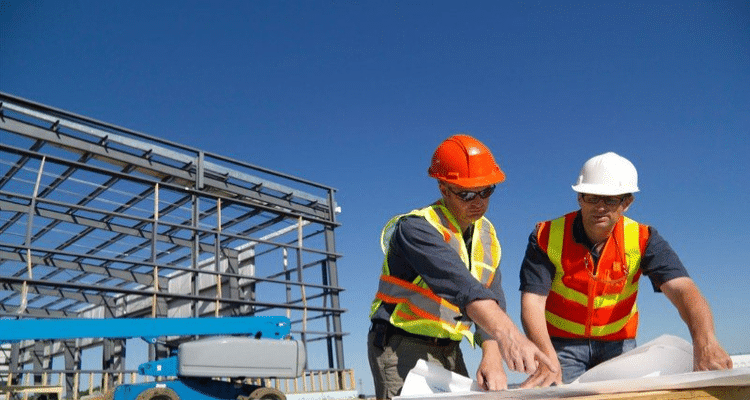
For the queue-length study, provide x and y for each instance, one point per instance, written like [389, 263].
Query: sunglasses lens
[467, 196]
[487, 192]
[594, 199]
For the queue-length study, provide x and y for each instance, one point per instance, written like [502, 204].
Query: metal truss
[99, 221]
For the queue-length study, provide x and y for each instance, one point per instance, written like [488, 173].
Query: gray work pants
[392, 363]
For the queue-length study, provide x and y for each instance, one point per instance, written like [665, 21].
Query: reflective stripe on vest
[419, 310]
[593, 302]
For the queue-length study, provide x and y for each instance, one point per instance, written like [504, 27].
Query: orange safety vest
[418, 309]
[593, 301]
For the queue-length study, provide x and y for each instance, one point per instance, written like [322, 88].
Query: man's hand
[517, 350]
[491, 374]
[710, 356]
[543, 376]
[522, 355]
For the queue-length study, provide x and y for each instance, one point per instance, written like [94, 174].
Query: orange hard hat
[466, 162]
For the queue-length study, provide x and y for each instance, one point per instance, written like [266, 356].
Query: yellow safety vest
[418, 309]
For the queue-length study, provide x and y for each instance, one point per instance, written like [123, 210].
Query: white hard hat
[607, 174]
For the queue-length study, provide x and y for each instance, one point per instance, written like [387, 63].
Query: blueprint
[662, 364]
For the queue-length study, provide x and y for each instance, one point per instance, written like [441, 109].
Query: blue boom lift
[235, 348]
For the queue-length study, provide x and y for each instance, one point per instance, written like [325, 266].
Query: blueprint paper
[691, 380]
[431, 378]
[664, 363]
[665, 355]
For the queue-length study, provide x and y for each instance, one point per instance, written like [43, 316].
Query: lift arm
[269, 327]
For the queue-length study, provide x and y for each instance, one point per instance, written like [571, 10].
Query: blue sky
[357, 94]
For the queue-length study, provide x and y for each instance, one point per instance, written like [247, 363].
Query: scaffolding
[99, 221]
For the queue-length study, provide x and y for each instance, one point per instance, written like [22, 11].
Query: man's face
[466, 211]
[601, 213]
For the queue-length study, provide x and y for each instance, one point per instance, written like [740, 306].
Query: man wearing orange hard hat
[580, 275]
[440, 275]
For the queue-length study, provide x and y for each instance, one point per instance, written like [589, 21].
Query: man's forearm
[692, 306]
[534, 322]
[694, 310]
[491, 318]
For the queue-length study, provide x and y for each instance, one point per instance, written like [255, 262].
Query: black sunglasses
[468, 195]
[608, 200]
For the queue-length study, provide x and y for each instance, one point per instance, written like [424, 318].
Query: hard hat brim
[602, 190]
[492, 179]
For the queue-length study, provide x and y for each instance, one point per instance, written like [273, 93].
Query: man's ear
[443, 189]
[627, 202]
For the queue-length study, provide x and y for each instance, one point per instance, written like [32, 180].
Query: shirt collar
[579, 234]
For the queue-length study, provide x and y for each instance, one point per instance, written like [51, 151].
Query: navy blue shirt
[659, 262]
[417, 249]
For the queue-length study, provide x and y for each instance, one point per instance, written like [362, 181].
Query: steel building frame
[99, 221]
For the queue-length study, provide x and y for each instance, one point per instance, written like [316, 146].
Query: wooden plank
[710, 393]
[12, 389]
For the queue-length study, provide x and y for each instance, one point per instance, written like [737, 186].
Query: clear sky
[357, 94]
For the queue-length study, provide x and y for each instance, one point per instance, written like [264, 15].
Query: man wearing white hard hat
[580, 276]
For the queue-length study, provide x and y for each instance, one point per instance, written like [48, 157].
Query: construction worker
[580, 275]
[440, 274]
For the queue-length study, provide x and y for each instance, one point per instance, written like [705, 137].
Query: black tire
[161, 393]
[266, 393]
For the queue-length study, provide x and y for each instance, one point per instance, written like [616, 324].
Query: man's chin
[474, 217]
[602, 223]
